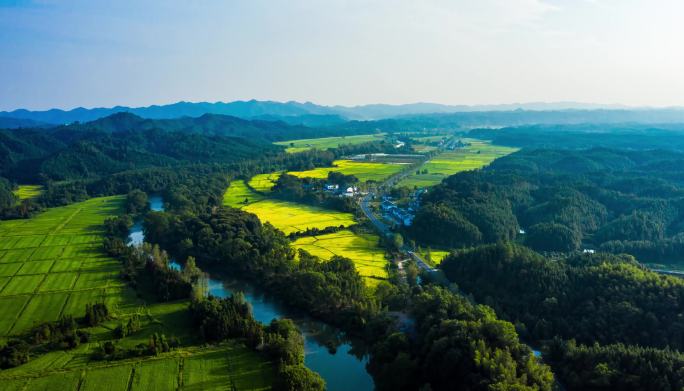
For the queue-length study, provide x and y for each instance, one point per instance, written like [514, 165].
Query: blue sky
[101, 53]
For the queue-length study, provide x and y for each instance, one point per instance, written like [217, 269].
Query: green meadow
[477, 155]
[294, 146]
[365, 171]
[24, 192]
[53, 265]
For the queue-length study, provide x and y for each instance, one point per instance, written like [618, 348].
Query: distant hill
[14, 123]
[311, 114]
[214, 124]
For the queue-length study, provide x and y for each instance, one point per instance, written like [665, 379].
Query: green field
[294, 146]
[24, 192]
[211, 368]
[363, 249]
[365, 171]
[43, 258]
[239, 195]
[53, 265]
[264, 182]
[477, 155]
[284, 215]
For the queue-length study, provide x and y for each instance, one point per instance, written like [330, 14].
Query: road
[385, 230]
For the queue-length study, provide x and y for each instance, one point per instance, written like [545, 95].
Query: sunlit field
[365, 171]
[294, 146]
[363, 249]
[284, 215]
[434, 256]
[477, 155]
[264, 182]
[24, 192]
[239, 195]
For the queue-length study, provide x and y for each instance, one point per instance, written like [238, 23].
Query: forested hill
[564, 200]
[82, 151]
[583, 136]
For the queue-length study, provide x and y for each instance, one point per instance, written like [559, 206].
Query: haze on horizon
[79, 53]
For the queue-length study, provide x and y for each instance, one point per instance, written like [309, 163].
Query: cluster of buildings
[350, 191]
[392, 212]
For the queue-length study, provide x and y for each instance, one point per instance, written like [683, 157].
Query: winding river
[339, 361]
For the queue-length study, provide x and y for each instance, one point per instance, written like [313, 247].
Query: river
[341, 369]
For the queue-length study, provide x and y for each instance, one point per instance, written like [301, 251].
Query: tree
[136, 202]
[397, 241]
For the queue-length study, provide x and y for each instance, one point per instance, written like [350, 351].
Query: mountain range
[297, 113]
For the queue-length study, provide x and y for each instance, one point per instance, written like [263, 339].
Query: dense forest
[633, 136]
[564, 200]
[609, 303]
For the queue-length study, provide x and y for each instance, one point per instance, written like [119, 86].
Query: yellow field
[25, 192]
[264, 182]
[436, 256]
[477, 155]
[365, 171]
[286, 216]
[239, 195]
[363, 249]
[301, 145]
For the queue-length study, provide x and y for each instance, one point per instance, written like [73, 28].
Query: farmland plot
[363, 249]
[364, 171]
[476, 155]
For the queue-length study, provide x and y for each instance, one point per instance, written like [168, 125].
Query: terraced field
[477, 155]
[53, 265]
[24, 192]
[294, 146]
[363, 249]
[365, 171]
[286, 216]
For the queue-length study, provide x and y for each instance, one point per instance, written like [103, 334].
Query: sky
[65, 54]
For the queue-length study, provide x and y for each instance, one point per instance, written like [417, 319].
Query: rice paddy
[294, 146]
[213, 368]
[476, 155]
[363, 249]
[24, 192]
[53, 265]
[364, 171]
[42, 258]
